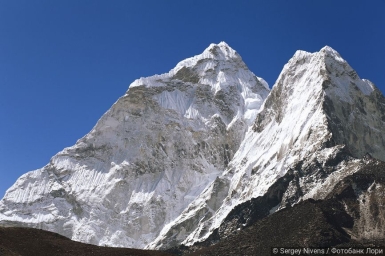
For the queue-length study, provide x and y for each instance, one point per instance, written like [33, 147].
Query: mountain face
[319, 119]
[147, 158]
[204, 151]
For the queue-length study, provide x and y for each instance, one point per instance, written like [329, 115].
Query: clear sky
[64, 63]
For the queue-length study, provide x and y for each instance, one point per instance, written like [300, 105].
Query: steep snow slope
[147, 158]
[317, 119]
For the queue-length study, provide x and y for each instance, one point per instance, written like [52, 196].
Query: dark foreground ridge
[36, 242]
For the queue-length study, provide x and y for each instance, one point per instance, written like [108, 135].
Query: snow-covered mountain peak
[217, 64]
[329, 52]
[298, 55]
[218, 69]
[337, 69]
[326, 95]
[325, 55]
[221, 51]
[325, 51]
[336, 75]
[147, 158]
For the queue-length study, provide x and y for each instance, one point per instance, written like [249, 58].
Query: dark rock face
[186, 75]
[285, 192]
[352, 214]
[362, 195]
[245, 214]
[303, 225]
[356, 123]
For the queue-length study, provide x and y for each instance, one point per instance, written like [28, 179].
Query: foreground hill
[15, 241]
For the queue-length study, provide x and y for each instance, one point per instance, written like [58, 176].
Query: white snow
[366, 86]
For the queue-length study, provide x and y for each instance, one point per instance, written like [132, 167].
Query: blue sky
[64, 63]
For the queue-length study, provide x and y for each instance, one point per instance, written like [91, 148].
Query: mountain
[205, 152]
[147, 158]
[318, 121]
